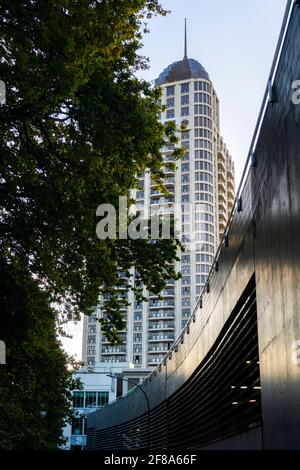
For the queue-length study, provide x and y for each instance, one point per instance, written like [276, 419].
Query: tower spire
[185, 41]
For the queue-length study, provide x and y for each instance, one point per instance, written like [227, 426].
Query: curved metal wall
[221, 399]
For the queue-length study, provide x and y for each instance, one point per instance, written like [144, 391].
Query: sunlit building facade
[201, 197]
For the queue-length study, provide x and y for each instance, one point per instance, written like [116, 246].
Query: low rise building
[98, 389]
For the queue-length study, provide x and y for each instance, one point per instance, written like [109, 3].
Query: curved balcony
[161, 304]
[221, 176]
[161, 327]
[164, 293]
[230, 192]
[222, 215]
[113, 350]
[167, 315]
[222, 199]
[168, 171]
[222, 187]
[157, 337]
[162, 201]
[221, 164]
[158, 349]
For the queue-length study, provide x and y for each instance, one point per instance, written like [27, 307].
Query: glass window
[185, 188]
[203, 154]
[170, 113]
[170, 102]
[90, 399]
[202, 109]
[202, 98]
[201, 279]
[102, 398]
[92, 318]
[185, 144]
[201, 121]
[92, 339]
[185, 87]
[78, 399]
[185, 291]
[185, 135]
[202, 86]
[203, 133]
[201, 176]
[183, 323]
[203, 166]
[203, 143]
[185, 312]
[202, 268]
[78, 426]
[203, 258]
[186, 269]
[185, 167]
[91, 350]
[186, 280]
[185, 111]
[185, 99]
[140, 194]
[170, 90]
[185, 228]
[137, 327]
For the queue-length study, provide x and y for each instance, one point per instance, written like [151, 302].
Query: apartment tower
[201, 195]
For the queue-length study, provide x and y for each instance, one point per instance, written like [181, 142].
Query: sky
[235, 41]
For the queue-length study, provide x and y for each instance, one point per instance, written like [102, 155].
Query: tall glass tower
[201, 195]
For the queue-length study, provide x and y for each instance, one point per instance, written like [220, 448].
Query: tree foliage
[76, 130]
[35, 384]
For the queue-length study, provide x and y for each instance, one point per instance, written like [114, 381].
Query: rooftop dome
[184, 69]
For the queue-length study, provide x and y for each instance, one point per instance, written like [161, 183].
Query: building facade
[98, 389]
[201, 196]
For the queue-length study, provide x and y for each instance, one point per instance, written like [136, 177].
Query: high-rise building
[201, 196]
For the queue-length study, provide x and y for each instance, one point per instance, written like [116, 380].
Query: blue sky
[235, 41]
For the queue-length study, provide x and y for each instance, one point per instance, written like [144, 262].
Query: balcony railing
[162, 201]
[154, 315]
[161, 303]
[158, 349]
[164, 293]
[165, 337]
[114, 350]
[161, 326]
